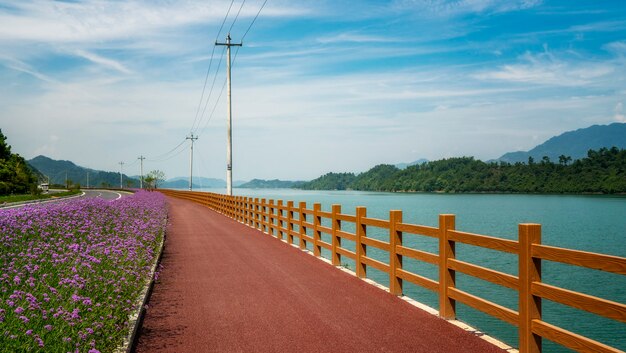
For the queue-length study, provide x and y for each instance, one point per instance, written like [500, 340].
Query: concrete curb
[136, 318]
[40, 201]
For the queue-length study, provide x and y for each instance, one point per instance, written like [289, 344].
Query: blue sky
[318, 86]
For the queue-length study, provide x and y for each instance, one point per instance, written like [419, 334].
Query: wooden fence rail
[285, 220]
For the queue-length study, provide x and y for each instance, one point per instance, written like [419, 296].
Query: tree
[15, 175]
[154, 178]
[564, 160]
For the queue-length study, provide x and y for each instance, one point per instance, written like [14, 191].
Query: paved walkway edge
[136, 318]
[411, 301]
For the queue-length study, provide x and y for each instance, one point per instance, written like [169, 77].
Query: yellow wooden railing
[279, 218]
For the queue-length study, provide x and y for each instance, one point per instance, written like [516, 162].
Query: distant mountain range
[58, 171]
[198, 182]
[574, 144]
[406, 165]
[271, 184]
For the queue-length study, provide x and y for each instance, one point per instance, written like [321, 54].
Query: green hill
[58, 171]
[603, 171]
[270, 184]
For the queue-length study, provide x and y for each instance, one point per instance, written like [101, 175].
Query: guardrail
[286, 221]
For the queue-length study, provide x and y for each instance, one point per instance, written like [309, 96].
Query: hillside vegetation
[15, 175]
[602, 171]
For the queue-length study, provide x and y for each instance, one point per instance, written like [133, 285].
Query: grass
[71, 272]
[29, 197]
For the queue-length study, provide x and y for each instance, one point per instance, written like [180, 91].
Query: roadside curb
[136, 318]
[40, 201]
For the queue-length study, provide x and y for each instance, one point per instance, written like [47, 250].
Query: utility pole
[192, 138]
[229, 145]
[121, 166]
[141, 158]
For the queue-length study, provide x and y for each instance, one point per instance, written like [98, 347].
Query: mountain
[574, 144]
[59, 170]
[197, 182]
[405, 165]
[177, 184]
[270, 184]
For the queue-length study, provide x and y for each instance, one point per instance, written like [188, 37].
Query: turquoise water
[590, 223]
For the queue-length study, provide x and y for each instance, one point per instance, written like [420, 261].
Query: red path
[226, 287]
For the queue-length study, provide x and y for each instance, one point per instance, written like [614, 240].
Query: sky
[318, 86]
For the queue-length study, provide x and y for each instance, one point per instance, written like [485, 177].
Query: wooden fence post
[361, 249]
[240, 209]
[249, 209]
[301, 208]
[271, 217]
[529, 272]
[336, 240]
[256, 213]
[395, 260]
[279, 216]
[263, 216]
[317, 234]
[447, 306]
[289, 222]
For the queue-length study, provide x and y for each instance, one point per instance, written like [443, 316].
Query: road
[225, 287]
[104, 194]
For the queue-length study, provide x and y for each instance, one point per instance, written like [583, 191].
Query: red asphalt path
[226, 287]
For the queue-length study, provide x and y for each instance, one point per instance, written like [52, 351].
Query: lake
[589, 223]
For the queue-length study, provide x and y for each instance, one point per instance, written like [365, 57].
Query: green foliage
[331, 181]
[154, 179]
[603, 171]
[15, 175]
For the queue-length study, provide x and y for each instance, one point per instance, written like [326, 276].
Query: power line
[211, 91]
[156, 159]
[206, 78]
[209, 69]
[214, 107]
[237, 16]
[254, 20]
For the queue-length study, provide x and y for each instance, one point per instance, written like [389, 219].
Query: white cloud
[20, 66]
[619, 113]
[97, 59]
[98, 20]
[546, 69]
[352, 37]
[618, 48]
[448, 8]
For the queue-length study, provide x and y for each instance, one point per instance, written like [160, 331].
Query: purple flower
[19, 310]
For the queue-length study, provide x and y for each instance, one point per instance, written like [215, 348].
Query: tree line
[15, 175]
[602, 171]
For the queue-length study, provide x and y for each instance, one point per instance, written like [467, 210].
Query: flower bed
[71, 273]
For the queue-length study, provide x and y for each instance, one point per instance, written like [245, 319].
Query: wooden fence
[288, 221]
